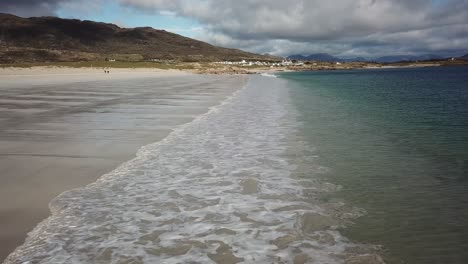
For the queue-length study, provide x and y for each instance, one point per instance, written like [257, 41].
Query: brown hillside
[56, 39]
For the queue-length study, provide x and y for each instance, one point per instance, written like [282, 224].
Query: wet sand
[62, 129]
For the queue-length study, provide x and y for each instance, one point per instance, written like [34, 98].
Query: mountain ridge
[317, 57]
[58, 39]
[324, 57]
[398, 58]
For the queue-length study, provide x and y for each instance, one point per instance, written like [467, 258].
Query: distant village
[245, 63]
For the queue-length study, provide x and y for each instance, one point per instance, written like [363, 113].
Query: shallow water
[238, 184]
[397, 142]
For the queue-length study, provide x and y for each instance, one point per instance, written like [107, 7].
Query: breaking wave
[269, 75]
[235, 185]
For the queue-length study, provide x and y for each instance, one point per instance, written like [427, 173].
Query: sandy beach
[63, 128]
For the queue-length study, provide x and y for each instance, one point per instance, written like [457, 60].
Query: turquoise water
[396, 140]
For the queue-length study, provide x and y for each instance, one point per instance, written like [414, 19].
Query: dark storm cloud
[27, 8]
[341, 27]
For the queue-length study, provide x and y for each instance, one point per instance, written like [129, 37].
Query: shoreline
[119, 71]
[65, 132]
[197, 176]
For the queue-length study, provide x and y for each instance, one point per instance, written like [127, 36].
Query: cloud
[27, 8]
[32, 8]
[341, 27]
[83, 8]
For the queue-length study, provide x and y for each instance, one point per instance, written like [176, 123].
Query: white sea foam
[266, 74]
[224, 188]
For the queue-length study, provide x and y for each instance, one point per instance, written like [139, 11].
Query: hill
[399, 58]
[324, 57]
[55, 39]
[315, 57]
[465, 57]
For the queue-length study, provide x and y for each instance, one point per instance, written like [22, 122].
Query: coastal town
[244, 63]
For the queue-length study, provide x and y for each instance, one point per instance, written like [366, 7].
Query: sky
[345, 28]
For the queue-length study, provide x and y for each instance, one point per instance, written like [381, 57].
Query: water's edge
[236, 184]
[140, 152]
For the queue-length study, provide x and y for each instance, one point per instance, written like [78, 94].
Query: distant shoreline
[194, 68]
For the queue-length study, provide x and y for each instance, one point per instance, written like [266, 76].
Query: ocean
[311, 167]
[396, 140]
